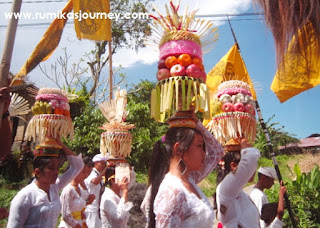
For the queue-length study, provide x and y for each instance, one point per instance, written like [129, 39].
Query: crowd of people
[88, 195]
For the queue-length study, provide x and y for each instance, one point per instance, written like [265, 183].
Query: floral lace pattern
[71, 201]
[175, 206]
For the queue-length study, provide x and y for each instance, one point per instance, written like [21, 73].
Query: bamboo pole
[8, 47]
[267, 137]
[110, 71]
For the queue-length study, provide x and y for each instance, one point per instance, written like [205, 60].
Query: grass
[208, 185]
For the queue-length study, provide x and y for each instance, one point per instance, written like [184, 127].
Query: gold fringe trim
[229, 125]
[180, 93]
[41, 126]
[117, 144]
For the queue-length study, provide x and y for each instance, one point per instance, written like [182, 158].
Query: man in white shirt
[266, 176]
[95, 186]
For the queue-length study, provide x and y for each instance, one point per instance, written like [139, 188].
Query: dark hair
[40, 163]
[223, 170]
[109, 172]
[88, 161]
[269, 212]
[160, 159]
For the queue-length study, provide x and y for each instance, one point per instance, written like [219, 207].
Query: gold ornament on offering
[117, 140]
[51, 120]
[236, 116]
[181, 74]
[183, 119]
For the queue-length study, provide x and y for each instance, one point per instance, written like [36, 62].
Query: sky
[299, 115]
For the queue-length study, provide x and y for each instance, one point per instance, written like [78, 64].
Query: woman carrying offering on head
[186, 156]
[238, 167]
[38, 204]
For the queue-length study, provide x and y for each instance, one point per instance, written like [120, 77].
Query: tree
[126, 33]
[147, 131]
[86, 125]
[278, 137]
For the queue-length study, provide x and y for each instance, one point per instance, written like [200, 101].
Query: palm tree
[278, 137]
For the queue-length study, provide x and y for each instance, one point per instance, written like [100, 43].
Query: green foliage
[208, 184]
[142, 177]
[278, 137]
[304, 196]
[6, 197]
[147, 130]
[87, 132]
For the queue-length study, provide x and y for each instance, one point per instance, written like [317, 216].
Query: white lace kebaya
[175, 206]
[31, 207]
[72, 205]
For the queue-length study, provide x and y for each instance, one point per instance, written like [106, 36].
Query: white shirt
[31, 206]
[234, 206]
[71, 201]
[276, 223]
[259, 198]
[175, 206]
[93, 189]
[113, 210]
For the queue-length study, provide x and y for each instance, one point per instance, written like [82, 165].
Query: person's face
[100, 165]
[195, 155]
[84, 173]
[50, 173]
[268, 182]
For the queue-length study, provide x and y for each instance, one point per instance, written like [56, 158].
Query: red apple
[161, 64]
[178, 70]
[238, 107]
[193, 71]
[163, 74]
[249, 109]
[227, 107]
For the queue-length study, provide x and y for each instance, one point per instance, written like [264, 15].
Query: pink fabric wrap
[178, 47]
[51, 97]
[233, 91]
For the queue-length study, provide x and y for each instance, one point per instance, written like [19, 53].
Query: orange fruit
[66, 113]
[58, 111]
[171, 61]
[197, 61]
[184, 60]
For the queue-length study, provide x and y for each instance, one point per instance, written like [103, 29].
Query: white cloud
[27, 37]
[150, 55]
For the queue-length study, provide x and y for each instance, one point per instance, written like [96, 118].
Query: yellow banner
[300, 71]
[230, 67]
[45, 47]
[92, 22]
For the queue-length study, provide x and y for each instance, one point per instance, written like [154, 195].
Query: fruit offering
[180, 74]
[51, 103]
[233, 112]
[181, 65]
[51, 119]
